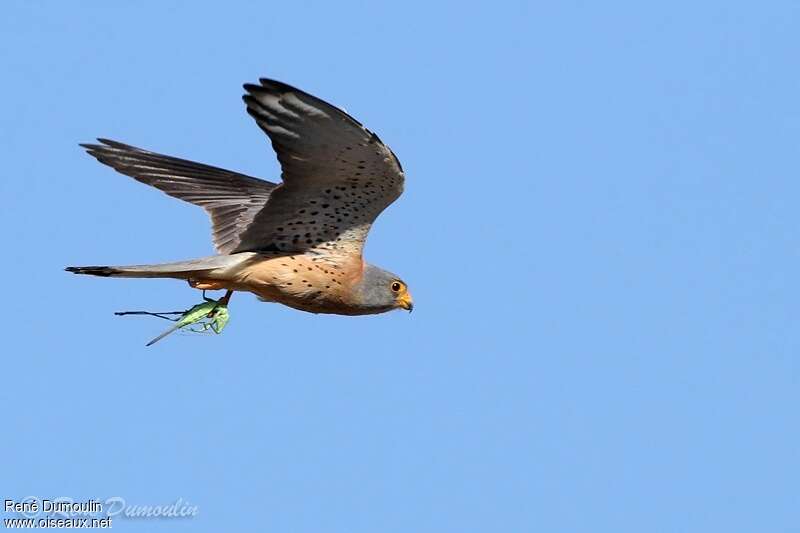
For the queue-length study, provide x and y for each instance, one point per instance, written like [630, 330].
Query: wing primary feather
[231, 199]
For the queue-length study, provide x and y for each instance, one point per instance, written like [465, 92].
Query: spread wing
[232, 200]
[337, 175]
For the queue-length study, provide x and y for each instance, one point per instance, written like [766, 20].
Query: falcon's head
[379, 291]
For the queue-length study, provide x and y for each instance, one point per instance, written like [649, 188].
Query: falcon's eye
[396, 286]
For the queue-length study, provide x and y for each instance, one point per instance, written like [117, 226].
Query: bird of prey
[299, 242]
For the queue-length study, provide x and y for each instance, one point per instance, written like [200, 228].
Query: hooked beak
[406, 302]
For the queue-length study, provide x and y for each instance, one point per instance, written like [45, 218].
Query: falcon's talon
[298, 243]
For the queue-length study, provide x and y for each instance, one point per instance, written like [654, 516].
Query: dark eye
[396, 286]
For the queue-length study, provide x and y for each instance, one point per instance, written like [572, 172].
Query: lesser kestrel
[299, 242]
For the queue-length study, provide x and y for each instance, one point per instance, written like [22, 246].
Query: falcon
[299, 242]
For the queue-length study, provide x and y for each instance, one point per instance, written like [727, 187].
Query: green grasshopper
[210, 315]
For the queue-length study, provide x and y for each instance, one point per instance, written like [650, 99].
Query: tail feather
[180, 269]
[104, 271]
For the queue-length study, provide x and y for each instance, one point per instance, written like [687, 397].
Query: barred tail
[104, 271]
[180, 270]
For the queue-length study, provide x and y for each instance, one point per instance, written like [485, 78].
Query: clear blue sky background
[600, 230]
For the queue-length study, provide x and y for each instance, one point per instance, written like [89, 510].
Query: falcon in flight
[299, 242]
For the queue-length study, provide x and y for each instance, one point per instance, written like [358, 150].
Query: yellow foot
[205, 284]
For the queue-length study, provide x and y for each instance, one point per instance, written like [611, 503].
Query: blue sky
[600, 231]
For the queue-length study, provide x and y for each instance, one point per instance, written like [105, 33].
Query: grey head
[379, 291]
